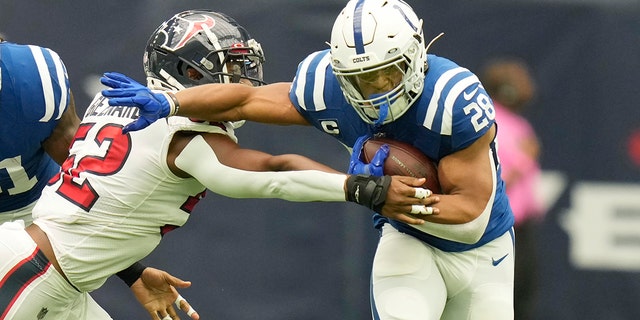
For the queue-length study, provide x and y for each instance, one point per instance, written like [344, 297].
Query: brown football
[403, 160]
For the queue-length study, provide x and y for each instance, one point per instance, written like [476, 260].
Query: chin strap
[383, 110]
[369, 191]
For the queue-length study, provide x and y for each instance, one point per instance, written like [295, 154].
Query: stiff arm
[200, 161]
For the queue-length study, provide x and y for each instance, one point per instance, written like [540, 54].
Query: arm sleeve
[200, 161]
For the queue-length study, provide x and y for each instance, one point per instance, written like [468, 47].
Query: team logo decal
[176, 36]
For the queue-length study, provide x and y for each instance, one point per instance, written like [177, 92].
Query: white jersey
[99, 223]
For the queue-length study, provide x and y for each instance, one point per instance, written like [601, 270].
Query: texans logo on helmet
[192, 28]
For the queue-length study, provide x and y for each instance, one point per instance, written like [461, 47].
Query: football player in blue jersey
[39, 121]
[376, 79]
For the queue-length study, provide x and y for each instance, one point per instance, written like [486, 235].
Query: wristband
[174, 105]
[131, 274]
[369, 191]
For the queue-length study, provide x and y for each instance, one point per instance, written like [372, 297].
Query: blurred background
[270, 259]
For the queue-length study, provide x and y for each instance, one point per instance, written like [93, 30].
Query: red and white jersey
[116, 196]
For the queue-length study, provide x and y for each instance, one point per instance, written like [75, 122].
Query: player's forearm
[233, 102]
[293, 162]
[198, 160]
[213, 102]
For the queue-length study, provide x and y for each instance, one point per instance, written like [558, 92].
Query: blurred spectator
[512, 88]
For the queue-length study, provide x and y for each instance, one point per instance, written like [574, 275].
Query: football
[403, 160]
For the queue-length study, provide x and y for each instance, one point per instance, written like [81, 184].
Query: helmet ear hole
[180, 68]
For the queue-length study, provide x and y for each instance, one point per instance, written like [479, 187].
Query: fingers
[109, 82]
[178, 283]
[117, 94]
[117, 76]
[408, 219]
[186, 307]
[113, 75]
[422, 193]
[421, 209]
[117, 80]
[357, 147]
[381, 155]
[136, 125]
[170, 314]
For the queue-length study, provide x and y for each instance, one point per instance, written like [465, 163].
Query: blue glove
[128, 92]
[120, 81]
[375, 167]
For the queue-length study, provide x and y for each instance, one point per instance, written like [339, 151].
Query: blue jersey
[34, 92]
[453, 111]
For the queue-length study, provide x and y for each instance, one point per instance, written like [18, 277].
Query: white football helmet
[379, 38]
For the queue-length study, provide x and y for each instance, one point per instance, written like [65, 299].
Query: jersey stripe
[438, 87]
[449, 101]
[61, 74]
[23, 273]
[47, 88]
[318, 87]
[309, 90]
[301, 79]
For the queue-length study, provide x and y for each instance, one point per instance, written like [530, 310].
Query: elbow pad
[369, 191]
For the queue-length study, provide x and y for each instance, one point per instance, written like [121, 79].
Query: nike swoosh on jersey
[468, 96]
[495, 262]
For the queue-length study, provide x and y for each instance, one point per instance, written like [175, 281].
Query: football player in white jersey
[118, 194]
[376, 79]
[39, 121]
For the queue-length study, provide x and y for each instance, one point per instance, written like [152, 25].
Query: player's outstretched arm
[213, 102]
[199, 160]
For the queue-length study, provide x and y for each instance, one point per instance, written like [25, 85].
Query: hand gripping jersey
[115, 196]
[453, 111]
[34, 93]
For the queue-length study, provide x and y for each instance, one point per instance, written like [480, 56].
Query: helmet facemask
[379, 107]
[237, 62]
